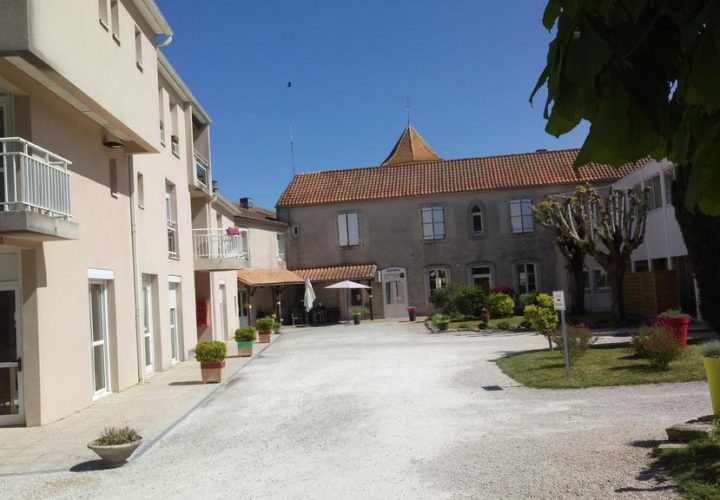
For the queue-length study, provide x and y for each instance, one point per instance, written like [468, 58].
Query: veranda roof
[338, 273]
[268, 277]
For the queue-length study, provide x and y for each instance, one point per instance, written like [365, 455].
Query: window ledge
[173, 257]
[139, 66]
[104, 25]
[117, 40]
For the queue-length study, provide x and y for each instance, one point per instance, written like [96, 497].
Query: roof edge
[154, 16]
[168, 72]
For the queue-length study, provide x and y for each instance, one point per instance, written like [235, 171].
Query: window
[637, 188]
[103, 13]
[356, 297]
[437, 280]
[138, 49]
[641, 266]
[113, 177]
[115, 20]
[99, 336]
[175, 138]
[660, 264]
[433, 222]
[174, 324]
[280, 246]
[140, 190]
[526, 277]
[521, 218]
[244, 234]
[481, 276]
[655, 194]
[171, 215]
[295, 231]
[348, 229]
[477, 220]
[161, 104]
[669, 178]
[599, 279]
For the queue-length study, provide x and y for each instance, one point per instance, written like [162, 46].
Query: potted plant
[441, 322]
[115, 445]
[676, 321]
[211, 355]
[411, 313]
[711, 360]
[245, 337]
[265, 327]
[357, 315]
[277, 327]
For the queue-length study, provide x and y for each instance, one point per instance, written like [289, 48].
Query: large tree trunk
[616, 276]
[702, 239]
[577, 284]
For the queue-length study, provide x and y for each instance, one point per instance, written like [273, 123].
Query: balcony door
[148, 325]
[11, 387]
[99, 337]
[5, 114]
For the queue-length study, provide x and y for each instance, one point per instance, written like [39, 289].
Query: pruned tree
[570, 248]
[608, 228]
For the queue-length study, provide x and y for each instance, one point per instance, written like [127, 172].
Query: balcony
[216, 250]
[34, 192]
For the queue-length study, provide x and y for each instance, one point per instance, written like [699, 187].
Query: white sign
[559, 300]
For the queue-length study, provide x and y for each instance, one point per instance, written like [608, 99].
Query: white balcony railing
[33, 179]
[202, 170]
[218, 244]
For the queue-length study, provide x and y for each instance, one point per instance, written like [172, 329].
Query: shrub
[504, 325]
[525, 324]
[671, 313]
[210, 351]
[360, 312]
[460, 301]
[438, 319]
[245, 334]
[542, 316]
[503, 289]
[118, 435]
[711, 349]
[482, 325]
[265, 324]
[500, 305]
[658, 345]
[579, 341]
[526, 299]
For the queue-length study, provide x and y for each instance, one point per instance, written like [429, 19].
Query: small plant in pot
[711, 360]
[357, 315]
[211, 355]
[411, 313]
[245, 337]
[265, 327]
[116, 444]
[678, 322]
[441, 322]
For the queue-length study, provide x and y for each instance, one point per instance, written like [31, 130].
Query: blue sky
[468, 67]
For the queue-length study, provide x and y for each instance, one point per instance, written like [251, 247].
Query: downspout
[136, 282]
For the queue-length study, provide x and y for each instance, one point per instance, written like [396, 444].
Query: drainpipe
[136, 281]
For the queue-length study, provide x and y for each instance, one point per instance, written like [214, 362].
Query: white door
[223, 314]
[174, 325]
[395, 300]
[99, 335]
[148, 325]
[11, 386]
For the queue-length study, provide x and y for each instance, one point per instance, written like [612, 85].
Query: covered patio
[262, 292]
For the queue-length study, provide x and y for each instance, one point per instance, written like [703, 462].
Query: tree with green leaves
[570, 248]
[646, 75]
[608, 228]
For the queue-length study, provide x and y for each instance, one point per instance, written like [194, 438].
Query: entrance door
[395, 298]
[11, 387]
[148, 325]
[99, 337]
[174, 334]
[242, 304]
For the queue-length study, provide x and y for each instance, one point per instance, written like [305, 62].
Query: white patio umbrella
[347, 284]
[309, 299]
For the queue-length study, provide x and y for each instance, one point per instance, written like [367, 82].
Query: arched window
[477, 220]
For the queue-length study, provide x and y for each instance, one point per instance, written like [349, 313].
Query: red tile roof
[268, 277]
[410, 147]
[541, 168]
[338, 273]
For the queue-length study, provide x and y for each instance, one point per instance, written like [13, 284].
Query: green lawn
[695, 468]
[602, 365]
[513, 322]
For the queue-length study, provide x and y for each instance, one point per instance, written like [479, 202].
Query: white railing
[218, 244]
[33, 179]
[202, 170]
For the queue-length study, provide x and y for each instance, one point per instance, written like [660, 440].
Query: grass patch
[695, 468]
[602, 365]
[512, 323]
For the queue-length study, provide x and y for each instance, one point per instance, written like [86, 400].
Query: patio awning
[268, 277]
[338, 273]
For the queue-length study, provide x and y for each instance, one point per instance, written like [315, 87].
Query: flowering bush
[543, 316]
[657, 344]
[503, 289]
[500, 305]
[412, 309]
[579, 340]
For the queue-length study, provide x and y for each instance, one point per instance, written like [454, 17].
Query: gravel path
[387, 411]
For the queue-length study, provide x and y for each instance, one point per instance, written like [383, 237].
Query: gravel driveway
[386, 410]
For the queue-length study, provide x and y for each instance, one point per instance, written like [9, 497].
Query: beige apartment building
[116, 253]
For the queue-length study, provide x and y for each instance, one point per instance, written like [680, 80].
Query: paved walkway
[389, 411]
[150, 407]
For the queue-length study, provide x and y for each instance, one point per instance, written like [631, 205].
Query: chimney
[246, 203]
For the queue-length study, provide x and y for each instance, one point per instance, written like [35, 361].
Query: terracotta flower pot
[264, 336]
[245, 348]
[679, 325]
[115, 454]
[212, 372]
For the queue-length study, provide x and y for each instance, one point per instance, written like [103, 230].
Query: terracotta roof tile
[541, 168]
[268, 277]
[410, 147]
[338, 273]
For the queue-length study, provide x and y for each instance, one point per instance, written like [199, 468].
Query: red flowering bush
[657, 344]
[579, 340]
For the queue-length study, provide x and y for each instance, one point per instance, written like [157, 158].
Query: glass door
[148, 334]
[174, 334]
[11, 405]
[395, 292]
[98, 327]
[242, 307]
